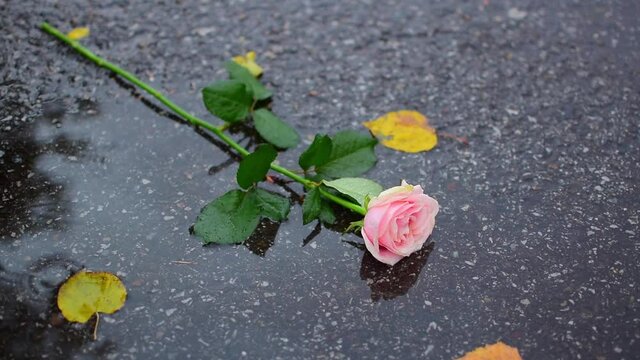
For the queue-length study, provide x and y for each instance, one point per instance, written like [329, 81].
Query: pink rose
[398, 222]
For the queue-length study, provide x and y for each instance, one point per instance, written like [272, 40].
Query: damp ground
[536, 244]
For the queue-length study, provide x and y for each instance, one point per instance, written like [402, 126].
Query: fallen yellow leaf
[78, 33]
[248, 61]
[89, 293]
[404, 130]
[497, 351]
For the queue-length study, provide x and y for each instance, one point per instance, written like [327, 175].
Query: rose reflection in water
[388, 282]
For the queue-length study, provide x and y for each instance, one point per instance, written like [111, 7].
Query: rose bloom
[398, 222]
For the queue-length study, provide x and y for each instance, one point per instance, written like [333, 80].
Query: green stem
[217, 130]
[144, 86]
[340, 201]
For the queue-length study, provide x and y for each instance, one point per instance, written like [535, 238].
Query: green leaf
[254, 167]
[326, 213]
[351, 155]
[229, 219]
[356, 188]
[317, 153]
[238, 72]
[275, 207]
[274, 130]
[311, 206]
[230, 100]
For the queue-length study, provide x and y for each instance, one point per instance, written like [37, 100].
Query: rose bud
[398, 222]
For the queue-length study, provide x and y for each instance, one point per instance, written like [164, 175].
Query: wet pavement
[536, 244]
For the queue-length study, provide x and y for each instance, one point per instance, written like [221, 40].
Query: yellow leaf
[78, 33]
[248, 61]
[404, 130]
[87, 293]
[497, 351]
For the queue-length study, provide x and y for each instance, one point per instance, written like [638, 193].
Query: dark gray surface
[536, 243]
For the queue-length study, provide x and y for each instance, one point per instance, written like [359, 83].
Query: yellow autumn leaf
[78, 33]
[404, 130]
[248, 61]
[497, 351]
[88, 293]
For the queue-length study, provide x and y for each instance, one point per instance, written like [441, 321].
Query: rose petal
[388, 228]
[373, 219]
[398, 222]
[391, 194]
[380, 253]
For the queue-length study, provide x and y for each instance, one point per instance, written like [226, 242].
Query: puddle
[535, 244]
[117, 190]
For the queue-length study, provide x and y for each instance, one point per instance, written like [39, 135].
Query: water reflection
[249, 135]
[31, 199]
[263, 237]
[312, 235]
[343, 216]
[217, 168]
[388, 282]
[31, 325]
